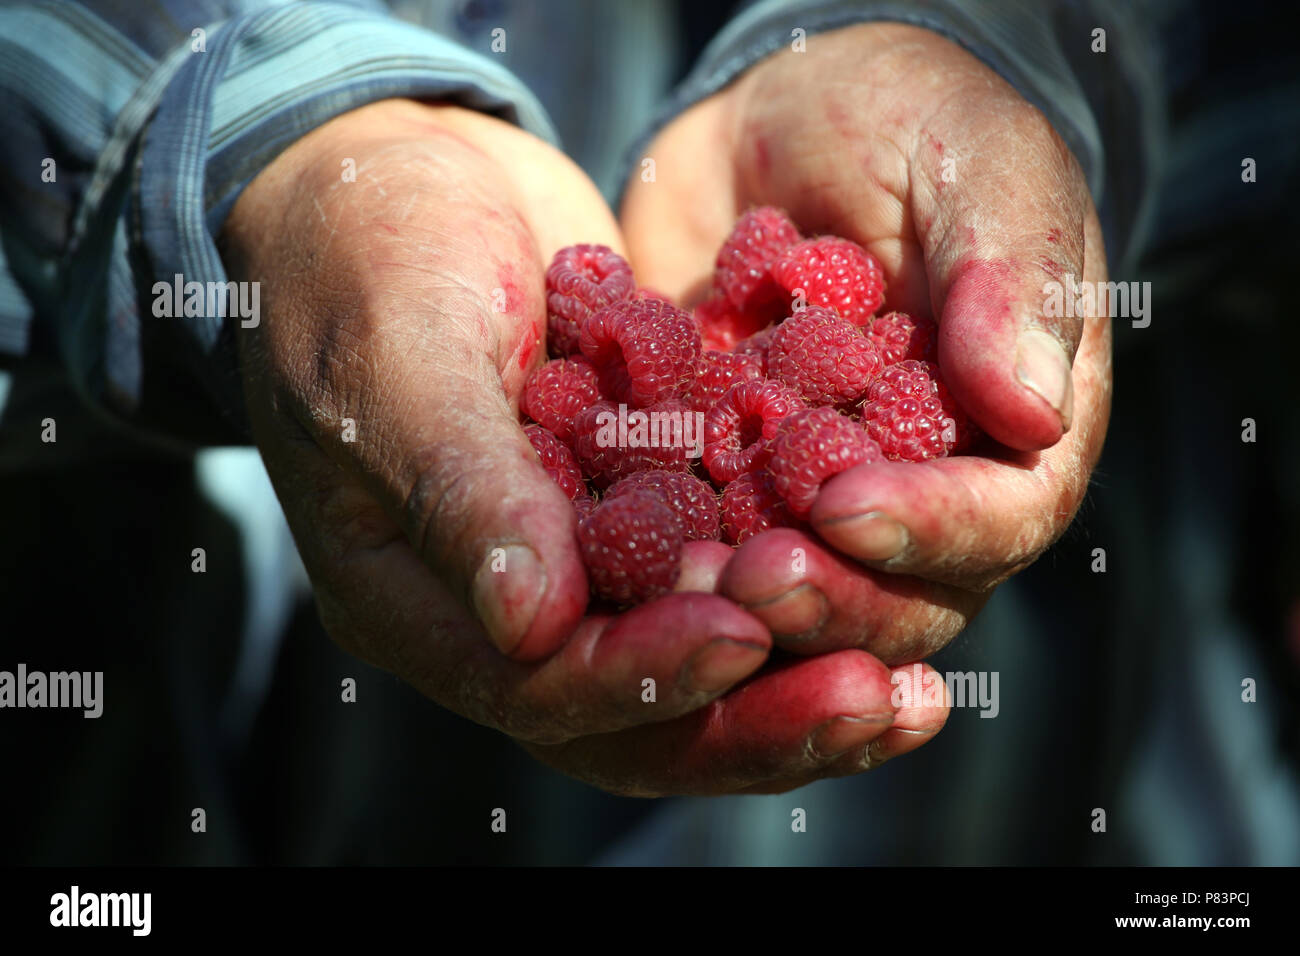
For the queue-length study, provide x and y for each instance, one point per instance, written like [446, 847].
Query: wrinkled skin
[409, 303]
[851, 138]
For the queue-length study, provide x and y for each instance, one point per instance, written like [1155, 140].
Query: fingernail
[800, 611]
[507, 590]
[841, 734]
[719, 664]
[1043, 367]
[872, 536]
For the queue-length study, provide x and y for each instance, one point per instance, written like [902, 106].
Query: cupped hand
[401, 251]
[896, 138]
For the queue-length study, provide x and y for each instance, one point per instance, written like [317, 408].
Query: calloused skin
[410, 303]
[851, 137]
[402, 313]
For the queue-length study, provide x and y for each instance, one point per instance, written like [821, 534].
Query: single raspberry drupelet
[910, 413]
[692, 500]
[739, 428]
[757, 345]
[901, 337]
[644, 350]
[557, 391]
[610, 445]
[580, 280]
[742, 272]
[558, 461]
[632, 547]
[750, 505]
[717, 372]
[836, 273]
[810, 447]
[823, 357]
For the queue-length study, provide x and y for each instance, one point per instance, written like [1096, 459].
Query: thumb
[454, 467]
[1005, 232]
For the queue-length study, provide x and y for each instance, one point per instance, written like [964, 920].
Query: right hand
[379, 298]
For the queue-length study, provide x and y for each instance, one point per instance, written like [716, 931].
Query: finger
[1000, 208]
[791, 720]
[814, 601]
[923, 705]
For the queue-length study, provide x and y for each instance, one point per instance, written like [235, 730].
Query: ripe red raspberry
[739, 428]
[751, 505]
[609, 446]
[644, 350]
[580, 280]
[836, 273]
[722, 324]
[910, 413]
[810, 447]
[692, 500]
[823, 357]
[717, 372]
[558, 461]
[900, 337]
[557, 391]
[742, 271]
[632, 547]
[757, 345]
[583, 505]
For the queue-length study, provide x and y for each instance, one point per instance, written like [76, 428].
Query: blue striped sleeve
[157, 114]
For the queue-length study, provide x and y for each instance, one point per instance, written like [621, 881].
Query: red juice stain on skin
[1051, 267]
[515, 303]
[527, 349]
[762, 157]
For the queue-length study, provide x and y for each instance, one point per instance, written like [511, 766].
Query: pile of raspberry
[796, 375]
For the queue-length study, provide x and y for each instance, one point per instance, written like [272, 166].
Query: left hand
[894, 137]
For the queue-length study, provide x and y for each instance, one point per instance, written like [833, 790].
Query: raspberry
[580, 280]
[901, 337]
[692, 501]
[910, 413]
[811, 446]
[722, 324]
[557, 391]
[654, 437]
[644, 350]
[833, 272]
[823, 357]
[632, 547]
[742, 271]
[717, 372]
[583, 505]
[558, 461]
[751, 505]
[757, 345]
[738, 430]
